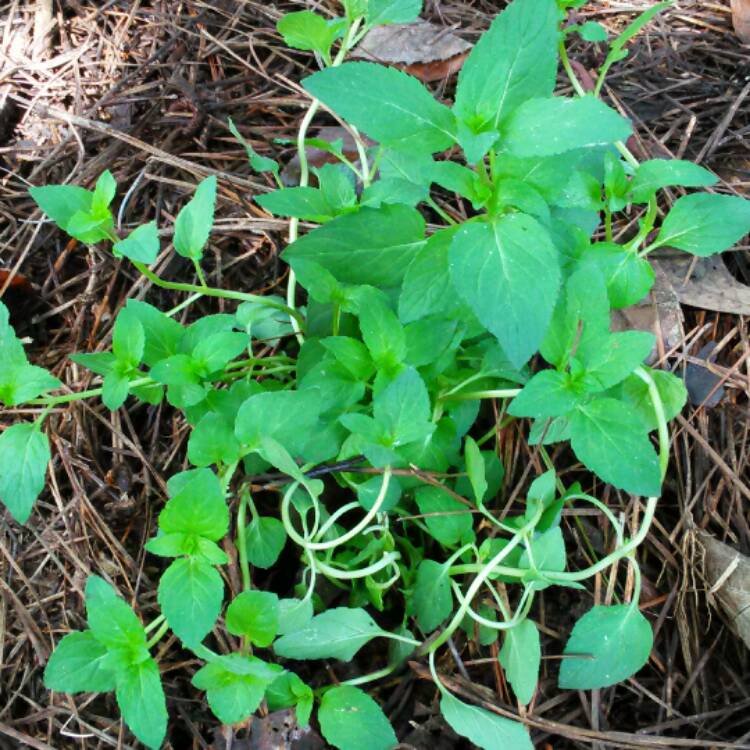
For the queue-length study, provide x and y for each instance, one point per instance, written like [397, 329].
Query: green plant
[375, 386]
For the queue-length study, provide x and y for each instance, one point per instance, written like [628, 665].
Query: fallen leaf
[659, 313]
[277, 731]
[741, 19]
[423, 49]
[701, 382]
[708, 285]
[727, 574]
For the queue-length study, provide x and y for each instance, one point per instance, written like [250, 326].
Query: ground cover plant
[382, 366]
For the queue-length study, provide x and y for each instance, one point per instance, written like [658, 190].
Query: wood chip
[727, 574]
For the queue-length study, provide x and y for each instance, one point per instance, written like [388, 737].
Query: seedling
[384, 365]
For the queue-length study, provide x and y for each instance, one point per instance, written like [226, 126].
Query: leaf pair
[112, 655]
[83, 214]
[24, 448]
[191, 590]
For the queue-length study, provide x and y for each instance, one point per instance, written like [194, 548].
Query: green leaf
[617, 48]
[190, 595]
[511, 290]
[254, 615]
[582, 311]
[388, 105]
[306, 203]
[19, 381]
[141, 245]
[607, 360]
[24, 455]
[393, 190]
[610, 439]
[704, 224]
[402, 409]
[628, 277]
[351, 720]
[428, 288]
[382, 332]
[265, 538]
[115, 390]
[656, 174]
[543, 127]
[62, 202]
[336, 183]
[368, 492]
[431, 342]
[213, 353]
[212, 441]
[515, 60]
[549, 393]
[607, 645]
[432, 598]
[486, 730]
[197, 508]
[113, 623]
[163, 333]
[289, 417]
[381, 12]
[371, 246]
[77, 666]
[104, 193]
[447, 520]
[308, 31]
[462, 180]
[257, 162]
[352, 354]
[235, 685]
[548, 552]
[634, 392]
[334, 634]
[294, 614]
[89, 228]
[475, 469]
[288, 690]
[195, 219]
[140, 697]
[521, 656]
[591, 31]
[128, 339]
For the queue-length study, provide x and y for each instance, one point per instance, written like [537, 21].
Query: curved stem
[476, 584]
[304, 177]
[215, 292]
[350, 575]
[661, 419]
[242, 539]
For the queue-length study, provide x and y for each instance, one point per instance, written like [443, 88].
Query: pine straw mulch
[145, 88]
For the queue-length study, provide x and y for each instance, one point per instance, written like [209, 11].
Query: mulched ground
[145, 88]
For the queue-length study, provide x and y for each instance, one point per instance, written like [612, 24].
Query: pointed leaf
[610, 643]
[508, 273]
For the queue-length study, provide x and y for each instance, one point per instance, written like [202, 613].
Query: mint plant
[389, 343]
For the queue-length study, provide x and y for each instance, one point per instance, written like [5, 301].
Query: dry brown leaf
[423, 49]
[659, 313]
[709, 284]
[277, 731]
[741, 19]
[727, 574]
